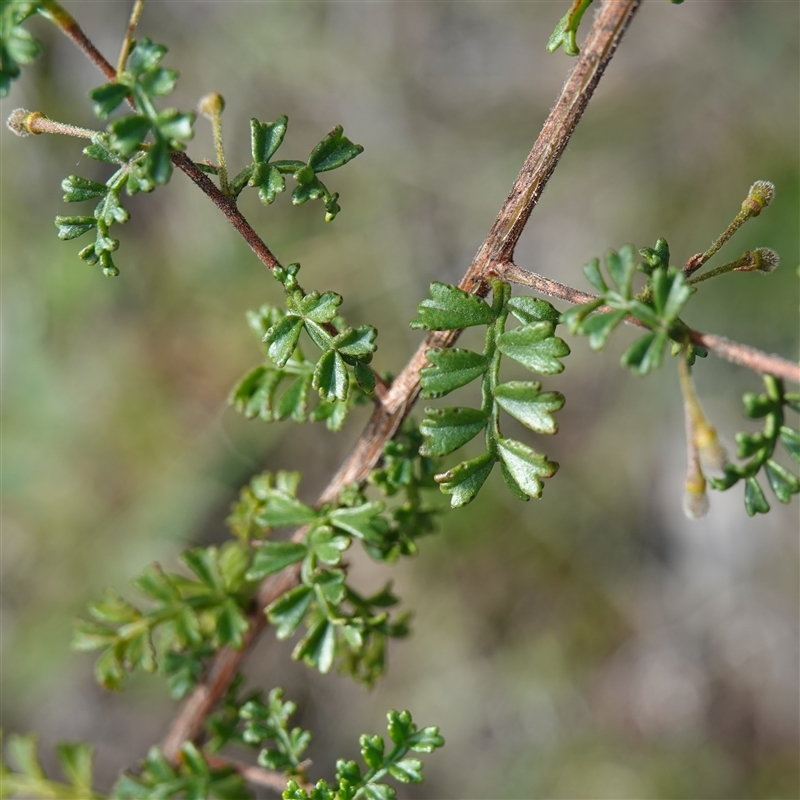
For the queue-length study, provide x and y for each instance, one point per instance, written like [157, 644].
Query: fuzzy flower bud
[212, 105]
[767, 259]
[759, 197]
[20, 121]
[711, 451]
[695, 499]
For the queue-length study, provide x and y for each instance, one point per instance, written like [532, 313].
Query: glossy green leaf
[790, 439]
[527, 467]
[409, 770]
[783, 482]
[464, 481]
[318, 647]
[334, 151]
[450, 368]
[754, 500]
[269, 181]
[359, 521]
[282, 511]
[288, 611]
[231, 625]
[447, 429]
[365, 377]
[266, 138]
[330, 377]
[145, 55]
[127, 133]
[159, 82]
[527, 403]
[271, 557]
[594, 276]
[451, 308]
[158, 162]
[599, 327]
[107, 98]
[356, 342]
[174, 124]
[73, 227]
[77, 189]
[646, 353]
[202, 561]
[535, 347]
[282, 338]
[532, 309]
[621, 266]
[679, 293]
[319, 308]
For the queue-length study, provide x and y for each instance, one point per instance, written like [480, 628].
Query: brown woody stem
[610, 24]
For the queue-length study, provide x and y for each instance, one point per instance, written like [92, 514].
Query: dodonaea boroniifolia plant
[193, 624]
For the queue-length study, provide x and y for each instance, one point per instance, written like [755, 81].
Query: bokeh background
[592, 644]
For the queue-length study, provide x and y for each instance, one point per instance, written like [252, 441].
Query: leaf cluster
[759, 449]
[193, 615]
[144, 80]
[191, 779]
[353, 781]
[269, 722]
[533, 344]
[30, 781]
[340, 622]
[140, 166]
[268, 175]
[272, 393]
[17, 46]
[657, 307]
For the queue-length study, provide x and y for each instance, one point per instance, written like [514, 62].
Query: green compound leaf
[447, 429]
[450, 369]
[535, 347]
[657, 307]
[464, 481]
[526, 402]
[451, 308]
[759, 448]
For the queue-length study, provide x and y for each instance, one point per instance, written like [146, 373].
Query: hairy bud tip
[20, 121]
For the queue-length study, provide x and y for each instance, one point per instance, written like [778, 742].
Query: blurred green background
[592, 644]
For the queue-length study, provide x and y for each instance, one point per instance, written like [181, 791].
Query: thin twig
[737, 353]
[136, 13]
[255, 775]
[609, 26]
